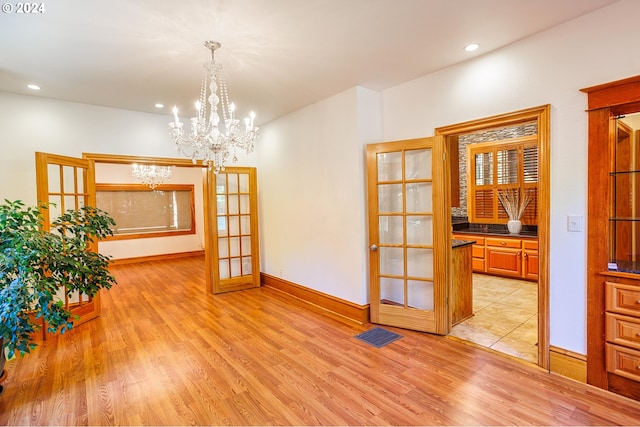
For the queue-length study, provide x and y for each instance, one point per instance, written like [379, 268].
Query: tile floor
[505, 317]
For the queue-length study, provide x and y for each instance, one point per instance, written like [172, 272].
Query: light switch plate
[574, 222]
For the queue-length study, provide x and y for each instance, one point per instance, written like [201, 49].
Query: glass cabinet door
[624, 207]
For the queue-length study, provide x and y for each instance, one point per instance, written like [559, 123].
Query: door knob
[373, 247]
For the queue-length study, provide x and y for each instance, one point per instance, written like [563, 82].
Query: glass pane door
[68, 183]
[402, 217]
[235, 264]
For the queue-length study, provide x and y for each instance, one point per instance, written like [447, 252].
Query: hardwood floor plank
[163, 352]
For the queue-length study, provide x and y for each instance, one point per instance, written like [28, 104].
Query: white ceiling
[278, 55]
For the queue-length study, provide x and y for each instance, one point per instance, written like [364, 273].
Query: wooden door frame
[541, 115]
[166, 161]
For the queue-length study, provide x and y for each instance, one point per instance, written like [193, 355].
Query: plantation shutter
[501, 165]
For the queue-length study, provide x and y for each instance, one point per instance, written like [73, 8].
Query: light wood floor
[165, 353]
[505, 316]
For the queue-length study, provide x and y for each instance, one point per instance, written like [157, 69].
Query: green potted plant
[37, 266]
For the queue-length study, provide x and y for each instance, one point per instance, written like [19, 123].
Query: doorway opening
[224, 211]
[510, 279]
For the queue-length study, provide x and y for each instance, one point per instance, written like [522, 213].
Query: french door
[232, 257]
[68, 183]
[409, 234]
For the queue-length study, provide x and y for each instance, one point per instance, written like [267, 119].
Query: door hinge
[444, 156]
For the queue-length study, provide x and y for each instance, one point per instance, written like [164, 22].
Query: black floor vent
[378, 337]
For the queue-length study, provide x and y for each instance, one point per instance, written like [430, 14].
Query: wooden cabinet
[530, 259]
[504, 256]
[612, 210]
[461, 291]
[477, 250]
[622, 332]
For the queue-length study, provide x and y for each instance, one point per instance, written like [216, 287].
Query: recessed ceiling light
[158, 105]
[471, 47]
[33, 87]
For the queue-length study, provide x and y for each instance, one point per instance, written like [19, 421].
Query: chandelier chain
[203, 97]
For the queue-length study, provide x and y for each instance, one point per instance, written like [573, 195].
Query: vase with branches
[514, 205]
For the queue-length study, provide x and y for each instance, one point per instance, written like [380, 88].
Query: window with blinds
[501, 165]
[140, 212]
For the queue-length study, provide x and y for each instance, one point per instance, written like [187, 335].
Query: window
[140, 212]
[500, 165]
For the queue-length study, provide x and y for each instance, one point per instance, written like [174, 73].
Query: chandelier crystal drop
[211, 140]
[151, 175]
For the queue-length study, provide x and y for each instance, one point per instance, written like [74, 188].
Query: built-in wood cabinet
[613, 297]
[622, 333]
[504, 256]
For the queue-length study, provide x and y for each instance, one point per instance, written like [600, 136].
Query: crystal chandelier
[151, 175]
[211, 140]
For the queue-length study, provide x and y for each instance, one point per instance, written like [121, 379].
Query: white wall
[548, 68]
[311, 181]
[33, 124]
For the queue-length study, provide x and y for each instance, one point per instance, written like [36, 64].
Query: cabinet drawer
[478, 251]
[530, 244]
[622, 299]
[477, 264]
[479, 240]
[504, 243]
[623, 330]
[623, 361]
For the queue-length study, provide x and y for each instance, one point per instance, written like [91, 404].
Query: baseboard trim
[352, 311]
[161, 257]
[568, 363]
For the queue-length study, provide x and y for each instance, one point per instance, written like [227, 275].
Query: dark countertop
[627, 267]
[458, 243]
[494, 232]
[459, 225]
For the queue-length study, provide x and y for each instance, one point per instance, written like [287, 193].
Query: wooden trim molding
[625, 91]
[142, 188]
[122, 159]
[350, 310]
[568, 363]
[161, 257]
